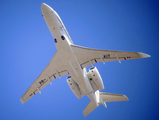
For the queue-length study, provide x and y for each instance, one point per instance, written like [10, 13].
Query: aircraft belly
[72, 65]
[67, 56]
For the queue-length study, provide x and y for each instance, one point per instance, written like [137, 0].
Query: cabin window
[62, 37]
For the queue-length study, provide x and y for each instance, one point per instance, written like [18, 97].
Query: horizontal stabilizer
[109, 97]
[90, 107]
[101, 98]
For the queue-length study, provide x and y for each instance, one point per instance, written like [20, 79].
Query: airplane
[72, 60]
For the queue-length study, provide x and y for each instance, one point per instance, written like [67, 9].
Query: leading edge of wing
[142, 55]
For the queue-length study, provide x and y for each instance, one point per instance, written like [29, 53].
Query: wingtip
[84, 113]
[143, 55]
[126, 98]
[22, 101]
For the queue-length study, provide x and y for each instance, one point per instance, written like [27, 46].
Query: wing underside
[53, 70]
[88, 56]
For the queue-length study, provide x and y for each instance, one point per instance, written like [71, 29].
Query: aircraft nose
[43, 5]
[45, 8]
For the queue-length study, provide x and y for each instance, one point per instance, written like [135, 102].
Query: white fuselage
[63, 42]
[73, 59]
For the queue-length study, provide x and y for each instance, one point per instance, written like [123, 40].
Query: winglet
[143, 55]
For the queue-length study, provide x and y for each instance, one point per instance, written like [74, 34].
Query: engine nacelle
[94, 76]
[74, 87]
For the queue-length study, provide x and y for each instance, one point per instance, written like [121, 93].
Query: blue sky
[27, 47]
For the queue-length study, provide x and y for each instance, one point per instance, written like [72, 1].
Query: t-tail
[102, 98]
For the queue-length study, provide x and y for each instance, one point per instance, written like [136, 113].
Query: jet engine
[74, 87]
[95, 79]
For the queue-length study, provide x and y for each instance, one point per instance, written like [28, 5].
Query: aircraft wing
[53, 70]
[88, 56]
